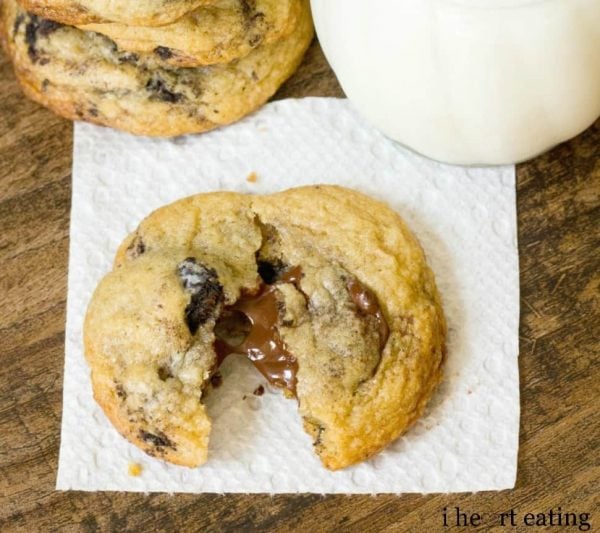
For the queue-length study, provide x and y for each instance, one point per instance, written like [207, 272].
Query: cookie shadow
[441, 261]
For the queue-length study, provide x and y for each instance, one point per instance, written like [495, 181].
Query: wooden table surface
[559, 230]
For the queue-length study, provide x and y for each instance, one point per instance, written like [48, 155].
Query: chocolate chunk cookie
[219, 33]
[84, 75]
[324, 289]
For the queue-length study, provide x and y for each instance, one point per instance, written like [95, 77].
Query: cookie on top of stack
[154, 67]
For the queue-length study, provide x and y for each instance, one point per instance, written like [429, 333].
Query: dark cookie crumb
[206, 291]
[136, 248]
[121, 393]
[46, 27]
[31, 38]
[35, 28]
[315, 429]
[406, 324]
[317, 440]
[163, 52]
[164, 373]
[18, 21]
[259, 391]
[254, 41]
[255, 23]
[216, 380]
[131, 57]
[158, 88]
[247, 8]
[158, 439]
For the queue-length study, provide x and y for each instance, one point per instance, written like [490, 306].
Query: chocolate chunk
[206, 292]
[159, 90]
[368, 306]
[269, 271]
[158, 440]
[259, 391]
[163, 52]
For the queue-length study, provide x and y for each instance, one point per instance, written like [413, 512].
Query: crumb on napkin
[134, 469]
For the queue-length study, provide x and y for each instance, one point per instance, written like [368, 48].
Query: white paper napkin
[466, 221]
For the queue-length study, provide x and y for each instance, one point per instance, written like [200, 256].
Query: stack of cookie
[155, 67]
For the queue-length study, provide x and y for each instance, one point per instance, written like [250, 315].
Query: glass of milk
[468, 81]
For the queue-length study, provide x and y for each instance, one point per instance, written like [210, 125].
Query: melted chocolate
[262, 344]
[367, 304]
[250, 327]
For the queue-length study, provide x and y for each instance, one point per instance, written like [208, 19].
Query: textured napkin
[466, 221]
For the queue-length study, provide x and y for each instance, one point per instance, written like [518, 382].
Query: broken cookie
[324, 289]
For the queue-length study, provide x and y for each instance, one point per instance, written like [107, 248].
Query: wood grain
[559, 238]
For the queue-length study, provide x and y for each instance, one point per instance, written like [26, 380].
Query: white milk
[468, 81]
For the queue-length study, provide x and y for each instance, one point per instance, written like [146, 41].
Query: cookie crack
[251, 325]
